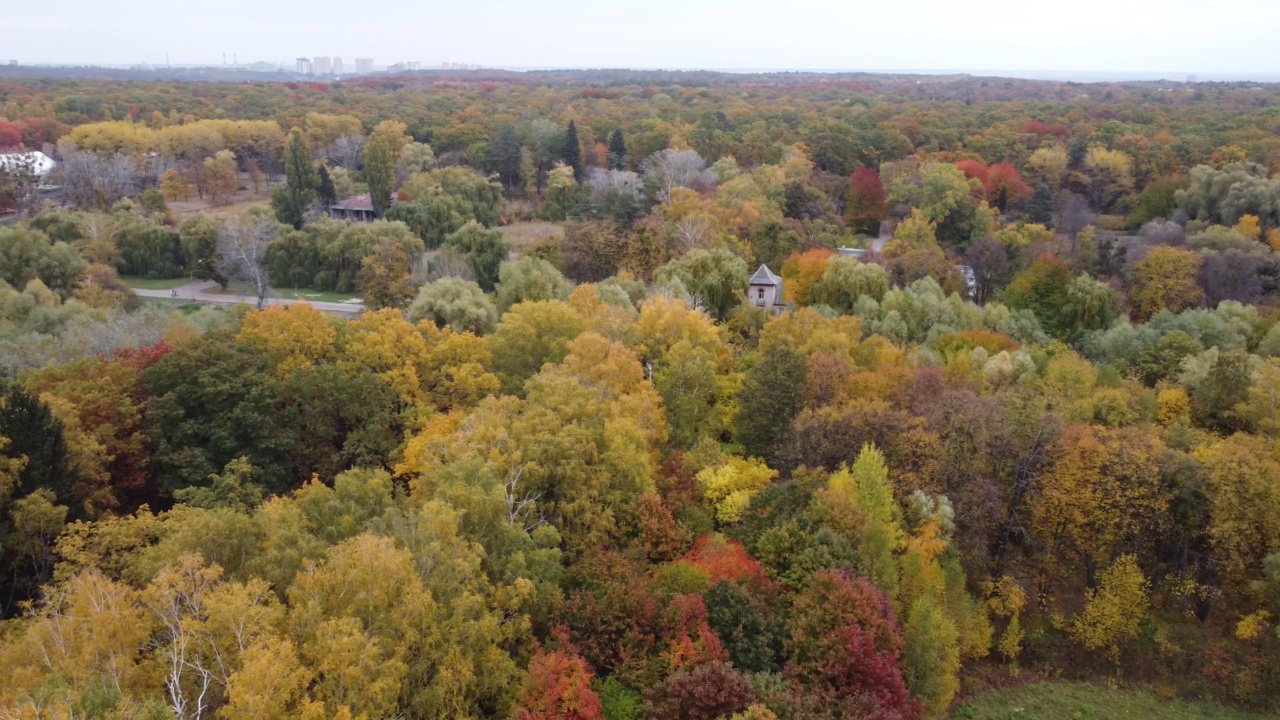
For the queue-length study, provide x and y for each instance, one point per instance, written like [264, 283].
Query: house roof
[765, 276]
[359, 202]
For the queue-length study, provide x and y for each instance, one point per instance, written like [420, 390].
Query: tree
[931, 655]
[730, 487]
[592, 250]
[1113, 612]
[174, 185]
[415, 157]
[573, 150]
[379, 173]
[291, 200]
[456, 303]
[1166, 280]
[220, 177]
[558, 688]
[772, 395]
[529, 279]
[242, 250]
[717, 279]
[485, 251]
[865, 204]
[845, 280]
[706, 692]
[617, 151]
[802, 272]
[326, 193]
[27, 255]
[531, 334]
[385, 279]
[1110, 175]
[669, 169]
[198, 237]
[1042, 288]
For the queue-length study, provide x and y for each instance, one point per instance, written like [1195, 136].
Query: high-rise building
[323, 66]
[364, 66]
[304, 66]
[337, 66]
[413, 66]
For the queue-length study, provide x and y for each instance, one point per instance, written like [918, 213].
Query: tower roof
[765, 276]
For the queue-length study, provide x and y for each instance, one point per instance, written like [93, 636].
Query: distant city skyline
[1176, 37]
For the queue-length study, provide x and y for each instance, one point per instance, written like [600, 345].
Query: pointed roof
[764, 276]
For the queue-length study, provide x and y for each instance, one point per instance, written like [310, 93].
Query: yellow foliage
[1252, 626]
[1249, 226]
[730, 487]
[1112, 613]
[296, 337]
[1173, 405]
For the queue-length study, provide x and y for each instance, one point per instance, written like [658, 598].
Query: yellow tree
[295, 337]
[1244, 503]
[730, 487]
[1166, 280]
[1102, 495]
[1113, 613]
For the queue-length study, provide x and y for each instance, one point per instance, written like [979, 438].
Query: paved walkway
[201, 292]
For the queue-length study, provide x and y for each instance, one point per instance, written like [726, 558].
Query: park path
[201, 292]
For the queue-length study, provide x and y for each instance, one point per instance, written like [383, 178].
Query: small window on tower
[760, 293]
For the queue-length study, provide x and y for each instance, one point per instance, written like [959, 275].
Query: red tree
[558, 688]
[727, 560]
[10, 134]
[973, 169]
[1035, 127]
[691, 641]
[1005, 186]
[865, 204]
[714, 690]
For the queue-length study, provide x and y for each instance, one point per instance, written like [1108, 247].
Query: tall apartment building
[304, 66]
[323, 66]
[337, 66]
[364, 66]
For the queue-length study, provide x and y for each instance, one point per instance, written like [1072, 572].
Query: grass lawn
[290, 294]
[1082, 701]
[150, 284]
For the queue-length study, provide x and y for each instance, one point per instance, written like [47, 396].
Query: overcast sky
[1176, 36]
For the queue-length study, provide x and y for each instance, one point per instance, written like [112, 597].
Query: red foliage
[613, 615]
[714, 690]
[10, 134]
[558, 688]
[144, 357]
[661, 537]
[38, 131]
[845, 644]
[691, 641]
[973, 169]
[677, 485]
[1004, 179]
[1035, 127]
[727, 560]
[866, 202]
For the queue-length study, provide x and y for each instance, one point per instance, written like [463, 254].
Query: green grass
[153, 284]
[1083, 701]
[291, 294]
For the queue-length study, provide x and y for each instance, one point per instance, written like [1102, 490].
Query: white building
[766, 291]
[337, 66]
[304, 66]
[323, 66]
[364, 66]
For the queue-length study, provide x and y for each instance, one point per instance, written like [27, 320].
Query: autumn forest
[541, 452]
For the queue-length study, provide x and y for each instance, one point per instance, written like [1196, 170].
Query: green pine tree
[573, 150]
[617, 151]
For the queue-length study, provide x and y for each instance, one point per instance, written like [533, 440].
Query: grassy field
[1083, 701]
[149, 284]
[521, 236]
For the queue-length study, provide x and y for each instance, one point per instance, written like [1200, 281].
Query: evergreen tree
[772, 392]
[328, 194]
[291, 200]
[504, 157]
[573, 150]
[1040, 207]
[379, 173]
[617, 151]
[35, 434]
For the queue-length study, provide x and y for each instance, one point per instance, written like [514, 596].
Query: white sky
[1143, 36]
